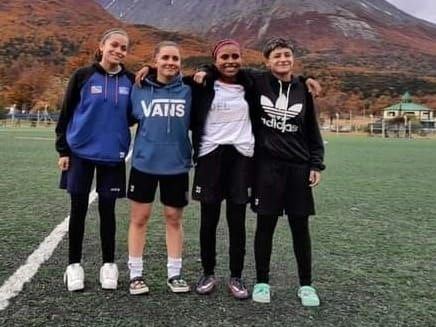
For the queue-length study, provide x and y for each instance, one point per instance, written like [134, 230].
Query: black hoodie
[287, 128]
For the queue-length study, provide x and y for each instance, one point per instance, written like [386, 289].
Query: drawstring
[169, 115]
[105, 87]
[116, 90]
[282, 102]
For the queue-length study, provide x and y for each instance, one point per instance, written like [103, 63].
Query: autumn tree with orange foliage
[29, 86]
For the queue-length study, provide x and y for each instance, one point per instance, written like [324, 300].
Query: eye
[175, 58]
[124, 48]
[165, 57]
[225, 56]
[235, 56]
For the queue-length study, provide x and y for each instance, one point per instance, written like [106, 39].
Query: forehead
[280, 50]
[169, 50]
[120, 38]
[228, 48]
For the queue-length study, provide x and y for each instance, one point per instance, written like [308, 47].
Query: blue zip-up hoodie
[162, 145]
[94, 121]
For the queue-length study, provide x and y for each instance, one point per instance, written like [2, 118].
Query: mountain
[366, 47]
[43, 41]
[54, 31]
[318, 25]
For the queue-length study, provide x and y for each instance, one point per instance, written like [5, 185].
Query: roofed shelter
[407, 108]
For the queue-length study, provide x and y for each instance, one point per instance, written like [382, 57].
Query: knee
[173, 219]
[139, 220]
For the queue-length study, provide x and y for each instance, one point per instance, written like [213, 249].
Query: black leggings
[210, 214]
[76, 228]
[301, 242]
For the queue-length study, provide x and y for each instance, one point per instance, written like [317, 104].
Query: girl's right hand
[141, 74]
[64, 163]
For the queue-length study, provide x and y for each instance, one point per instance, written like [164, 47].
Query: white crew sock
[174, 267]
[136, 266]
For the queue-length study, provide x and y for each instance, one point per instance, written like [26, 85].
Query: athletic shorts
[111, 178]
[174, 189]
[282, 187]
[221, 174]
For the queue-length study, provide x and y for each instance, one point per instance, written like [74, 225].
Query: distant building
[407, 108]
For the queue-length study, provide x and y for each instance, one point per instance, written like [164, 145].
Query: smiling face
[113, 50]
[228, 62]
[281, 61]
[168, 63]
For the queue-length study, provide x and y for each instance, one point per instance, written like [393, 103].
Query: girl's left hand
[199, 77]
[314, 178]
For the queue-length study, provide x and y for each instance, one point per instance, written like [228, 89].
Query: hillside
[368, 48]
[42, 42]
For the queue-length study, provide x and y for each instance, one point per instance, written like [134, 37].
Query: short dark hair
[274, 43]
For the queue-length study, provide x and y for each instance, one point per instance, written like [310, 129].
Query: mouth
[117, 57]
[231, 66]
[230, 69]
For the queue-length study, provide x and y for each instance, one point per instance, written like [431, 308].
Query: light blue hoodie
[162, 145]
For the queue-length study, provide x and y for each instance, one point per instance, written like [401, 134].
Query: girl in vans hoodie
[161, 155]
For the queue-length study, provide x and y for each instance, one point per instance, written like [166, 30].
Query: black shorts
[280, 186]
[111, 178]
[223, 174]
[174, 189]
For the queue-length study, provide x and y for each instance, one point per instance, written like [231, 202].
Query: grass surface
[373, 247]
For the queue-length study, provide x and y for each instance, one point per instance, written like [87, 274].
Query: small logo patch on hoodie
[123, 90]
[96, 89]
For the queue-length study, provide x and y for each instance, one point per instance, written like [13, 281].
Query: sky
[424, 9]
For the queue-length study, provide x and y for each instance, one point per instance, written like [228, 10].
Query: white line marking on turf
[34, 138]
[14, 284]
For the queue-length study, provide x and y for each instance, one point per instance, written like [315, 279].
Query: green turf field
[374, 245]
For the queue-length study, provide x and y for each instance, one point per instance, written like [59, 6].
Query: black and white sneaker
[178, 285]
[138, 286]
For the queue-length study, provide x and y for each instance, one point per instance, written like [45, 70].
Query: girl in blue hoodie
[161, 155]
[93, 134]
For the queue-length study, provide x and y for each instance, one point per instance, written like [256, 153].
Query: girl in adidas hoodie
[161, 155]
[289, 158]
[93, 134]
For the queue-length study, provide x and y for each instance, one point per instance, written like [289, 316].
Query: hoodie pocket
[162, 158]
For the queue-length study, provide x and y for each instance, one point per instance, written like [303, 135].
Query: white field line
[34, 138]
[14, 284]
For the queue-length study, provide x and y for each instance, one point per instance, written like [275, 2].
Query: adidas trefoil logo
[279, 113]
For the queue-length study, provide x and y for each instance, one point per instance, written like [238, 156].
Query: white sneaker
[74, 277]
[109, 276]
